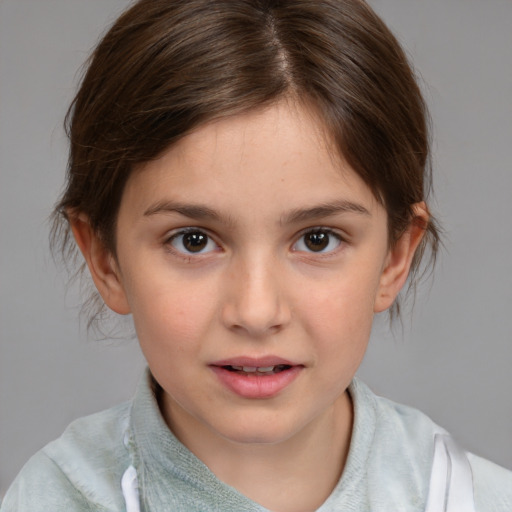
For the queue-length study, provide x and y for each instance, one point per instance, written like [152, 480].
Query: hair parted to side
[168, 66]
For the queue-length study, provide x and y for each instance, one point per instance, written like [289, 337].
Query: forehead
[268, 158]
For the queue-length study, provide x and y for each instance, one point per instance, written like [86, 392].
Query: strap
[451, 480]
[130, 487]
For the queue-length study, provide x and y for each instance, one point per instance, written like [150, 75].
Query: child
[248, 179]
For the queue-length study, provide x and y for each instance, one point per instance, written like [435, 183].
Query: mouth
[257, 370]
[256, 378]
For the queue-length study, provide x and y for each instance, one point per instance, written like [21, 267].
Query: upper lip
[254, 362]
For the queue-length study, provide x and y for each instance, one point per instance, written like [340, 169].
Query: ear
[399, 259]
[102, 265]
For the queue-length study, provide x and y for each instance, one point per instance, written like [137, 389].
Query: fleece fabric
[388, 466]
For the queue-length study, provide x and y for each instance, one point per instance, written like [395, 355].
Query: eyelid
[176, 233]
[323, 229]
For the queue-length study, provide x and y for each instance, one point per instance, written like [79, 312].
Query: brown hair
[167, 66]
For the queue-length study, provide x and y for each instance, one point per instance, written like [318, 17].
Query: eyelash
[169, 242]
[330, 233]
[318, 230]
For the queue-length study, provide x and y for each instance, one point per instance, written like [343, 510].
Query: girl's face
[253, 260]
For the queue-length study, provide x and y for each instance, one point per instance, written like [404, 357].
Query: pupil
[317, 241]
[195, 242]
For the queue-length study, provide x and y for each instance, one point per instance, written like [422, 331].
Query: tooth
[265, 369]
[249, 369]
[239, 368]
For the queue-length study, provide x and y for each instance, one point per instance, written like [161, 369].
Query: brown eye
[195, 242]
[192, 242]
[318, 240]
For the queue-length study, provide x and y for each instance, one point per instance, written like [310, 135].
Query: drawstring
[130, 487]
[451, 480]
[130, 483]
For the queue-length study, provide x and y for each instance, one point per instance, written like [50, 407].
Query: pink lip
[260, 362]
[256, 386]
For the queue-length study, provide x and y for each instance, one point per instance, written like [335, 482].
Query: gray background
[452, 360]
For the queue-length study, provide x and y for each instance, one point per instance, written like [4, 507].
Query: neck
[296, 475]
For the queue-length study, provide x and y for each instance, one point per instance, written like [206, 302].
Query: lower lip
[256, 386]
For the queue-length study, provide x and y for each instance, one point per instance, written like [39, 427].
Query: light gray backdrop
[453, 360]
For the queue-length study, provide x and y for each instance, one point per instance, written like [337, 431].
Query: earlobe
[101, 264]
[400, 258]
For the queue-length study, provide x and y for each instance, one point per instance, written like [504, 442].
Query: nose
[255, 302]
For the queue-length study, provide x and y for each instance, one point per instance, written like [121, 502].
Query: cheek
[340, 316]
[167, 316]
[342, 302]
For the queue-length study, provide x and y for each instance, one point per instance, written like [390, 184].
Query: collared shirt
[388, 467]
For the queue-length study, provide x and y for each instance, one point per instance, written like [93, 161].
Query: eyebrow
[193, 211]
[324, 210]
[202, 212]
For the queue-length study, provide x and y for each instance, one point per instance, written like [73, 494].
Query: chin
[263, 431]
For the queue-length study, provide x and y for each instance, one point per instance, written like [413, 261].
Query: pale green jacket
[125, 459]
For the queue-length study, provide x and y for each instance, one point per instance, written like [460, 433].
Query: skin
[256, 289]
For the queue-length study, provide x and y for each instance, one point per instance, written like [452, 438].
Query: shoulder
[398, 459]
[399, 430]
[492, 484]
[79, 471]
[402, 450]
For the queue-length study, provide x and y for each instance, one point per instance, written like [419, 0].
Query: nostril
[255, 309]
